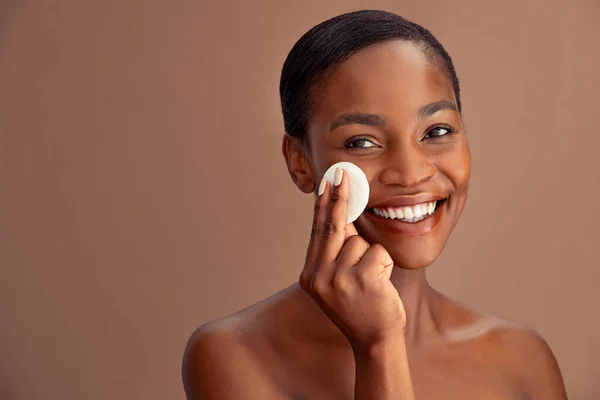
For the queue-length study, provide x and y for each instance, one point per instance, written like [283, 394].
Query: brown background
[143, 191]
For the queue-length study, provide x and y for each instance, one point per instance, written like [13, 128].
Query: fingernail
[322, 187]
[338, 176]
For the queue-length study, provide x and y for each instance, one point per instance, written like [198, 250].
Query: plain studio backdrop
[143, 192]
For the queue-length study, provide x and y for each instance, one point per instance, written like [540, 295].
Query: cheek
[456, 165]
[321, 159]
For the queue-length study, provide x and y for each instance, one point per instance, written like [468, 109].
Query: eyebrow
[358, 118]
[432, 108]
[377, 120]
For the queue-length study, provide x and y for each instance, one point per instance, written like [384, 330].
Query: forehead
[393, 79]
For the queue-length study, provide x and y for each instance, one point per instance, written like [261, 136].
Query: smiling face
[392, 111]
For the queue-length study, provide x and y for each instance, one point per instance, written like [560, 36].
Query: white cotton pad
[359, 188]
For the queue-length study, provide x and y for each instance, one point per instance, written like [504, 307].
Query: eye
[359, 143]
[439, 131]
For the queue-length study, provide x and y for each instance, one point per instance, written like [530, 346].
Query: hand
[348, 278]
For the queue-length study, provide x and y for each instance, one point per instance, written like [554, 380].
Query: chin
[409, 252]
[414, 257]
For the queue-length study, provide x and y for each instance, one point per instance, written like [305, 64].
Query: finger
[316, 233]
[334, 227]
[375, 261]
[350, 230]
[353, 250]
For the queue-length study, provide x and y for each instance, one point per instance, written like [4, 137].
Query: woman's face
[392, 112]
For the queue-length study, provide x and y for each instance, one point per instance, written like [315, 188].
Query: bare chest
[434, 378]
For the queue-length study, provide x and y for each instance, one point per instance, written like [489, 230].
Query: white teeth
[417, 211]
[399, 213]
[407, 214]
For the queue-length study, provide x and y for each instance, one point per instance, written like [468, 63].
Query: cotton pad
[359, 188]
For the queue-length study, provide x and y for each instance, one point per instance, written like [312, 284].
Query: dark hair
[328, 44]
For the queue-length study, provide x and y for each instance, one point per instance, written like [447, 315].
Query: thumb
[350, 231]
[389, 265]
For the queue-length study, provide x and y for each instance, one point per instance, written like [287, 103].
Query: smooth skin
[362, 322]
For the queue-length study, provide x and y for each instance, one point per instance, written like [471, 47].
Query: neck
[416, 295]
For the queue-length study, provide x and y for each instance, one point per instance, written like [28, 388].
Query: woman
[376, 90]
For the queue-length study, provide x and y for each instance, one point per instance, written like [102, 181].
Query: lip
[408, 201]
[406, 228]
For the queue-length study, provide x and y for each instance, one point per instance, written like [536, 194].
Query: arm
[382, 371]
[349, 279]
[217, 366]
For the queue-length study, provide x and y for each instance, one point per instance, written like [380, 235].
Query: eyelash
[445, 127]
[349, 143]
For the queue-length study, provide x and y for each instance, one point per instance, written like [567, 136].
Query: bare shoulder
[529, 357]
[218, 363]
[518, 351]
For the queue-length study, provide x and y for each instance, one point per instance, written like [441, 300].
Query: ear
[298, 164]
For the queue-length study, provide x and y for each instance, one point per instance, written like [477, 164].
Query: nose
[408, 165]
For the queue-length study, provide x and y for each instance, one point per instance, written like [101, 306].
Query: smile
[408, 214]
